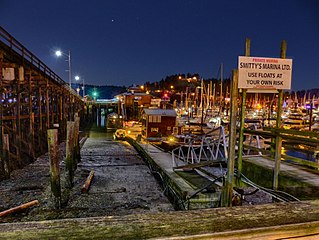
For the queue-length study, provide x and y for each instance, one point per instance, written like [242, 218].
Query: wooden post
[32, 148]
[278, 142]
[77, 157]
[54, 166]
[228, 189]
[47, 105]
[69, 159]
[6, 155]
[242, 118]
[99, 116]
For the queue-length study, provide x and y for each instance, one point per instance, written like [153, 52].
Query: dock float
[181, 187]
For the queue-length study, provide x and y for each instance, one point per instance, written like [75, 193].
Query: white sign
[156, 101]
[264, 73]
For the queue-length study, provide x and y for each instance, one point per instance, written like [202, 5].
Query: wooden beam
[19, 208]
[86, 186]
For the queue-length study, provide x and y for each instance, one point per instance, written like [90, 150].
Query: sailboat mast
[221, 82]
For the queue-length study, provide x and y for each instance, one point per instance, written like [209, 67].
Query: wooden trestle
[33, 99]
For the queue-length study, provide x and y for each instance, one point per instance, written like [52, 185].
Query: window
[154, 118]
[169, 128]
[154, 129]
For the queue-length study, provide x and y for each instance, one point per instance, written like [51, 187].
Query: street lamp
[59, 53]
[77, 78]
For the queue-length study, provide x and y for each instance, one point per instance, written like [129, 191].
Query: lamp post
[59, 53]
[77, 78]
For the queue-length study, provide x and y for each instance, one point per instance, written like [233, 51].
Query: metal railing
[211, 146]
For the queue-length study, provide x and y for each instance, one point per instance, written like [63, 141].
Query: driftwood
[19, 208]
[87, 184]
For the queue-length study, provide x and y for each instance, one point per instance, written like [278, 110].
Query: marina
[185, 157]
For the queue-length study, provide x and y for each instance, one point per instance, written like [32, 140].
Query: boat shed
[158, 122]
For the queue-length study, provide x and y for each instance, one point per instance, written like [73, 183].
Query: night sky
[125, 42]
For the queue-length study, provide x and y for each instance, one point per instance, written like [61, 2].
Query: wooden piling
[278, 141]
[228, 189]
[242, 118]
[77, 157]
[69, 157]
[6, 155]
[53, 147]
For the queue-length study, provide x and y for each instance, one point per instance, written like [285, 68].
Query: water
[306, 156]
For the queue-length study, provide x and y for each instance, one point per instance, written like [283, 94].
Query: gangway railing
[211, 146]
[255, 140]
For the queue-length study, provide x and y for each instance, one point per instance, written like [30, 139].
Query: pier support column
[69, 157]
[54, 166]
[279, 124]
[228, 187]
[242, 119]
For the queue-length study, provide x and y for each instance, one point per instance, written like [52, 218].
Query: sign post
[272, 75]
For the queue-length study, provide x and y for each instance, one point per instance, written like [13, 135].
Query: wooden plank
[199, 165]
[296, 218]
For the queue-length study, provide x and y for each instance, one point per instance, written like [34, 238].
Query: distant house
[131, 104]
[158, 122]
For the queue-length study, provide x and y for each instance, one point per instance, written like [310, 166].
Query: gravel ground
[122, 185]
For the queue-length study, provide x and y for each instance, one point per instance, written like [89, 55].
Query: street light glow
[58, 53]
[77, 78]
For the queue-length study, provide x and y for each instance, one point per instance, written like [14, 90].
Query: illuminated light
[58, 53]
[94, 94]
[172, 86]
[179, 77]
[142, 87]
[129, 131]
[77, 78]
[283, 150]
[171, 139]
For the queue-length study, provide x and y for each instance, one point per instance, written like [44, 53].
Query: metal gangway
[211, 146]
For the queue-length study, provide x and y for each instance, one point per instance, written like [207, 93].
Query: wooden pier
[33, 100]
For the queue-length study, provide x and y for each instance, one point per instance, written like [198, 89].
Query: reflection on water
[101, 134]
[307, 156]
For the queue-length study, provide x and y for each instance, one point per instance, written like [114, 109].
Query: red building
[158, 122]
[132, 103]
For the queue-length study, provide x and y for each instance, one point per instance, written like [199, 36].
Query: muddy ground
[122, 184]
